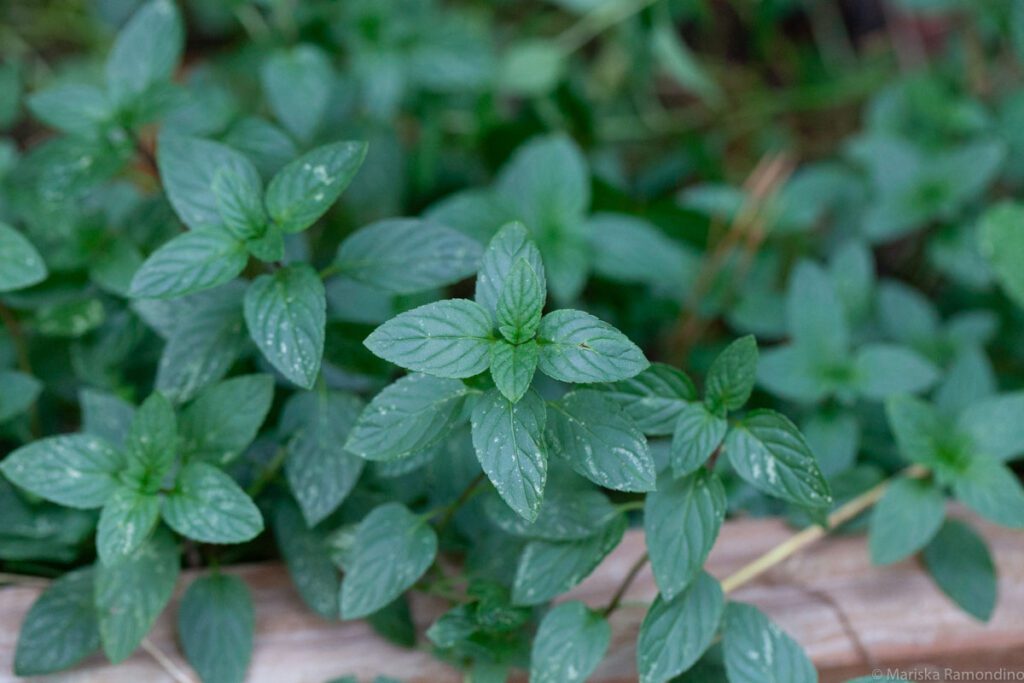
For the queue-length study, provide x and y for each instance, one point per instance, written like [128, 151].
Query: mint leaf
[151, 446]
[918, 428]
[449, 338]
[20, 392]
[224, 418]
[577, 347]
[78, 470]
[189, 263]
[681, 523]
[302, 191]
[320, 472]
[308, 559]
[208, 506]
[563, 516]
[298, 82]
[286, 314]
[215, 626]
[392, 550]
[570, 643]
[60, 629]
[73, 108]
[105, 415]
[994, 426]
[959, 561]
[126, 520]
[905, 520]
[991, 489]
[731, 376]
[1002, 244]
[506, 248]
[600, 442]
[757, 651]
[548, 568]
[407, 255]
[882, 370]
[203, 343]
[513, 366]
[629, 249]
[815, 315]
[698, 434]
[791, 372]
[653, 399]
[520, 303]
[188, 168]
[146, 51]
[675, 633]
[768, 451]
[21, 266]
[131, 594]
[240, 202]
[509, 442]
[408, 416]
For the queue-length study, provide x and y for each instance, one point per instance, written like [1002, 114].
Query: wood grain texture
[896, 614]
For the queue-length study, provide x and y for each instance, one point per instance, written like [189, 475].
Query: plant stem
[596, 21]
[269, 472]
[467, 493]
[626, 582]
[17, 336]
[806, 537]
[166, 663]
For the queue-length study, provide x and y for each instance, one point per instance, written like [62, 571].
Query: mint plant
[409, 295]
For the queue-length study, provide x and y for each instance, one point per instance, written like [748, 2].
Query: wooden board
[891, 617]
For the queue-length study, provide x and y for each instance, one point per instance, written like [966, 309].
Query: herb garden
[436, 303]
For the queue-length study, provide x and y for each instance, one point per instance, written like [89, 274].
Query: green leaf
[215, 625]
[113, 269]
[905, 520]
[549, 568]
[768, 451]
[681, 523]
[70, 319]
[20, 392]
[577, 347]
[698, 433]
[126, 521]
[731, 376]
[520, 303]
[959, 562]
[105, 415]
[394, 623]
[407, 255]
[320, 472]
[190, 262]
[600, 442]
[73, 108]
[513, 366]
[308, 559]
[991, 489]
[654, 399]
[393, 548]
[208, 506]
[77, 470]
[151, 446]
[757, 651]
[509, 442]
[791, 372]
[675, 633]
[408, 416]
[286, 314]
[565, 515]
[882, 370]
[21, 265]
[131, 594]
[815, 315]
[302, 191]
[570, 643]
[146, 52]
[204, 343]
[189, 167]
[508, 246]
[918, 428]
[629, 249]
[1002, 243]
[298, 83]
[60, 629]
[449, 338]
[994, 426]
[679, 62]
[531, 68]
[224, 418]
[240, 202]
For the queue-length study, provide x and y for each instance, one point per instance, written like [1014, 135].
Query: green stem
[269, 472]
